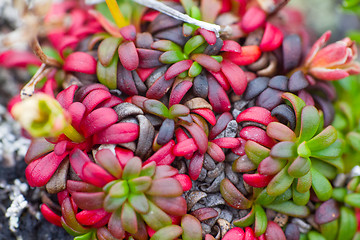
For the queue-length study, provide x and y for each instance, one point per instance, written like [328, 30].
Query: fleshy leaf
[310, 121]
[260, 220]
[255, 152]
[321, 186]
[191, 228]
[233, 196]
[280, 183]
[291, 209]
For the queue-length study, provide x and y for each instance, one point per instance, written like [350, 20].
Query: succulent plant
[127, 192]
[47, 157]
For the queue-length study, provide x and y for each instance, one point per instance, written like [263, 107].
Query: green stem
[73, 135]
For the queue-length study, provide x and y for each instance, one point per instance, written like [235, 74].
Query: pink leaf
[80, 62]
[128, 55]
[178, 68]
[39, 172]
[98, 120]
[117, 133]
[235, 76]
[272, 38]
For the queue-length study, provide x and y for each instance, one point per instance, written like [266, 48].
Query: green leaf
[299, 167]
[324, 168]
[323, 140]
[260, 220]
[139, 202]
[321, 186]
[331, 152]
[312, 235]
[195, 69]
[128, 218]
[264, 198]
[107, 50]
[132, 168]
[246, 220]
[354, 139]
[297, 104]
[119, 189]
[310, 121]
[329, 230]
[233, 196]
[156, 107]
[148, 170]
[353, 199]
[108, 75]
[170, 57]
[193, 43]
[167, 233]
[191, 228]
[139, 184]
[304, 183]
[218, 58]
[112, 204]
[86, 236]
[303, 150]
[178, 110]
[51, 52]
[256, 152]
[283, 150]
[300, 198]
[187, 4]
[280, 183]
[280, 132]
[290, 208]
[339, 194]
[286, 196]
[195, 12]
[348, 224]
[156, 218]
[166, 45]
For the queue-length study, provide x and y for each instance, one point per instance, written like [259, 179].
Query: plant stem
[29, 89]
[116, 13]
[154, 4]
[72, 134]
[35, 45]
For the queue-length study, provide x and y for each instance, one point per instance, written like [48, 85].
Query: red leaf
[77, 160]
[256, 114]
[257, 180]
[185, 147]
[123, 155]
[195, 165]
[216, 152]
[77, 111]
[185, 181]
[163, 156]
[94, 98]
[128, 32]
[199, 136]
[221, 79]
[207, 114]
[128, 55]
[235, 75]
[227, 142]
[66, 97]
[178, 68]
[231, 46]
[21, 59]
[91, 217]
[272, 38]
[209, 36]
[257, 135]
[235, 233]
[39, 172]
[98, 120]
[253, 18]
[218, 98]
[248, 55]
[84, 91]
[117, 133]
[178, 92]
[220, 125]
[207, 62]
[80, 62]
[50, 215]
[274, 232]
[96, 175]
